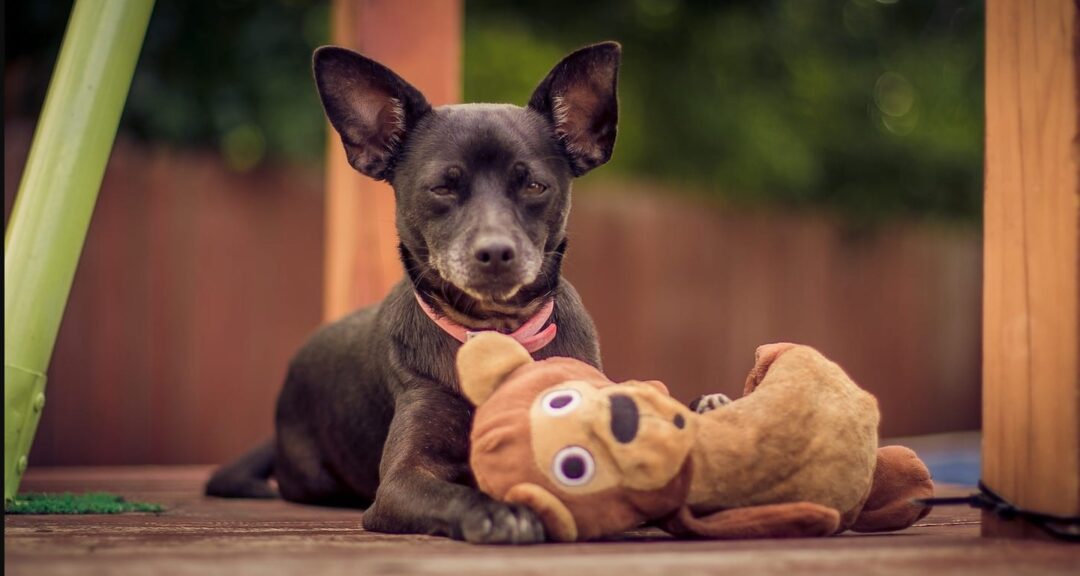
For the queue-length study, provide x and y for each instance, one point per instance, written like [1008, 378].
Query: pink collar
[529, 335]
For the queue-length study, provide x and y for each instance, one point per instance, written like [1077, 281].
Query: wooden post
[421, 41]
[1031, 390]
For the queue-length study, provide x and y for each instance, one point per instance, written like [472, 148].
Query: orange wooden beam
[421, 41]
[1031, 296]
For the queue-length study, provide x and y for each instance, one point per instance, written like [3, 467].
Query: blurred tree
[233, 74]
[872, 107]
[869, 107]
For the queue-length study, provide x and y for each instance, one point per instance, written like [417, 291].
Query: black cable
[1063, 527]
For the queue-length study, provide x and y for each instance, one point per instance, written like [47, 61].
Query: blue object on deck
[952, 457]
[956, 468]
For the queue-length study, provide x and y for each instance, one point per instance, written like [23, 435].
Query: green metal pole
[56, 199]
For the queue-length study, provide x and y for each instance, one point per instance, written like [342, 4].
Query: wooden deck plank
[198, 535]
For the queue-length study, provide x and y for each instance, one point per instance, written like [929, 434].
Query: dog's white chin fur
[488, 298]
[483, 297]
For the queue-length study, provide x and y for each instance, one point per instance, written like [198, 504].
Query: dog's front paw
[498, 523]
[709, 402]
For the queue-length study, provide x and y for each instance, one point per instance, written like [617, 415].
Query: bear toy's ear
[559, 524]
[485, 361]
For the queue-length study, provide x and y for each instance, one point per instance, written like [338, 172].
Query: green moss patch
[68, 503]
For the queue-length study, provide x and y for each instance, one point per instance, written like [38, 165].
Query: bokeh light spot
[243, 147]
[893, 94]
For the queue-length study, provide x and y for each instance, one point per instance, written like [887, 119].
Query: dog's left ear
[579, 98]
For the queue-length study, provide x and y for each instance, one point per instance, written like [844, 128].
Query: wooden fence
[684, 292]
[195, 286]
[198, 283]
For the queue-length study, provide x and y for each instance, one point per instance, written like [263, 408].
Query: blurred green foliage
[872, 108]
[231, 74]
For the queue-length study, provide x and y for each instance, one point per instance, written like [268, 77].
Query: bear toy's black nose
[624, 418]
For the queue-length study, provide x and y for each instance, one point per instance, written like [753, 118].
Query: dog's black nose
[624, 418]
[495, 253]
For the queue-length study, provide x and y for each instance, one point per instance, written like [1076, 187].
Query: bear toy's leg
[899, 477]
[787, 520]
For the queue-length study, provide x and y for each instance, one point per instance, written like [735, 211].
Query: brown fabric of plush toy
[795, 457]
[504, 463]
[791, 520]
[900, 477]
[804, 433]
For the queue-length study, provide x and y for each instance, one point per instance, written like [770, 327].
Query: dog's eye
[561, 402]
[573, 466]
[535, 189]
[442, 191]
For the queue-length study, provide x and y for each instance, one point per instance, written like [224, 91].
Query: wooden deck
[201, 536]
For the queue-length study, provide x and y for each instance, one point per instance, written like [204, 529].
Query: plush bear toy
[796, 456]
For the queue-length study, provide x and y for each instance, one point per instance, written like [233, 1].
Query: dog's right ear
[370, 107]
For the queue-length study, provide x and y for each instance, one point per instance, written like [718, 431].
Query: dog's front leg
[424, 472]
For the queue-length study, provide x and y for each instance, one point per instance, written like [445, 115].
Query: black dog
[370, 414]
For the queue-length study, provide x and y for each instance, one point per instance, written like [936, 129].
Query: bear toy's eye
[561, 402]
[573, 466]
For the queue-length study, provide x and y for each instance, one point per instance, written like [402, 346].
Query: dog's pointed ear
[484, 362]
[559, 524]
[370, 107]
[579, 98]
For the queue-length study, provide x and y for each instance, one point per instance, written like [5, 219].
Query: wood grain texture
[1031, 393]
[198, 535]
[196, 285]
[421, 41]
